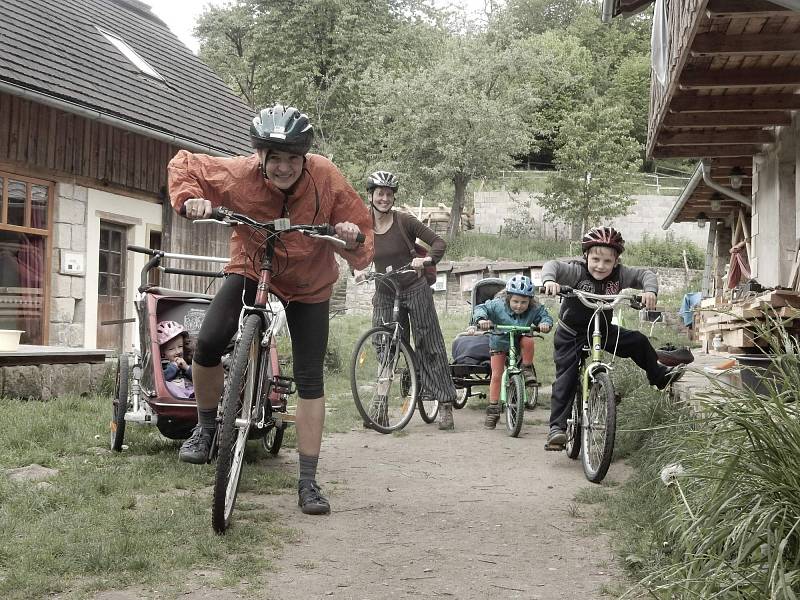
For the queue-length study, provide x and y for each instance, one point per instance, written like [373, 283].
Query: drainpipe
[607, 11]
[95, 115]
[722, 189]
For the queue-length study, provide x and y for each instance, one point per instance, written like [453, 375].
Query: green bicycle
[513, 392]
[592, 425]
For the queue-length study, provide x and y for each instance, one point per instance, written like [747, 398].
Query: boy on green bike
[600, 272]
[517, 307]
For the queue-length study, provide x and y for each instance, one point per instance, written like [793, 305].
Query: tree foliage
[594, 156]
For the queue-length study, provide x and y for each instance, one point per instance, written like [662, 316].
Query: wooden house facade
[95, 98]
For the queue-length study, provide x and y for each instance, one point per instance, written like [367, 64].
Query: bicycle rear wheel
[599, 426]
[239, 400]
[515, 404]
[428, 408]
[573, 445]
[383, 379]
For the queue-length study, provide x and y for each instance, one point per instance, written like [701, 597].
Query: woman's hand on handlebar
[419, 263]
[196, 208]
[649, 300]
[349, 232]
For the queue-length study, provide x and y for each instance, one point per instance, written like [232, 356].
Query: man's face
[173, 349]
[283, 169]
[600, 261]
[383, 198]
[519, 304]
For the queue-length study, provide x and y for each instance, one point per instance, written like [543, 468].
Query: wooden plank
[764, 118]
[737, 102]
[713, 137]
[22, 130]
[43, 134]
[69, 141]
[122, 166]
[695, 79]
[102, 148]
[720, 44]
[728, 9]
[86, 152]
[33, 130]
[5, 123]
[61, 142]
[51, 138]
[704, 151]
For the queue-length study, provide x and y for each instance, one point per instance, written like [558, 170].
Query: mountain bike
[513, 391]
[246, 409]
[384, 375]
[592, 425]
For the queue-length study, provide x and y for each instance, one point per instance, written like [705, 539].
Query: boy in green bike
[518, 307]
[600, 272]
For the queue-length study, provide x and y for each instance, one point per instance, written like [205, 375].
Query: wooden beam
[744, 163]
[725, 172]
[705, 151]
[763, 118]
[728, 9]
[719, 44]
[697, 79]
[737, 102]
[728, 136]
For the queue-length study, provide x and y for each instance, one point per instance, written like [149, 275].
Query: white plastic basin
[9, 340]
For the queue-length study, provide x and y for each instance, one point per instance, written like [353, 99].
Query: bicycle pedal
[283, 385]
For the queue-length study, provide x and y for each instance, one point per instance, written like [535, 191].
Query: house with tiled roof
[96, 96]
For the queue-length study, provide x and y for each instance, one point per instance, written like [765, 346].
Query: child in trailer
[517, 306]
[600, 272]
[173, 341]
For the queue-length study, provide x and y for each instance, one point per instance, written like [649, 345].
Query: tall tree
[454, 119]
[594, 158]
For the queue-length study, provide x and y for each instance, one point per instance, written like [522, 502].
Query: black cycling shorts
[308, 328]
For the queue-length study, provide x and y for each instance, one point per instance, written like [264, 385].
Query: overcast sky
[181, 15]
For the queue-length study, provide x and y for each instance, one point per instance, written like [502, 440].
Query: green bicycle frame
[511, 367]
[596, 360]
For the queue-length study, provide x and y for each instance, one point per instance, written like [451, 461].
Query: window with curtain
[24, 231]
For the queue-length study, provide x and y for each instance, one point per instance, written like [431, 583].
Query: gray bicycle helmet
[382, 179]
[520, 285]
[282, 128]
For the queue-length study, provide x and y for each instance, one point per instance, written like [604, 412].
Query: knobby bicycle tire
[461, 398]
[515, 404]
[573, 445]
[120, 403]
[239, 399]
[599, 427]
[379, 364]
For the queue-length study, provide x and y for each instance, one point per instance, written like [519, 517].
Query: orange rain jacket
[304, 268]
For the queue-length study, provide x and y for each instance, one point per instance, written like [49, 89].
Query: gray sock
[207, 418]
[308, 467]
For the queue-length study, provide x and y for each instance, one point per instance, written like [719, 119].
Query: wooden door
[111, 286]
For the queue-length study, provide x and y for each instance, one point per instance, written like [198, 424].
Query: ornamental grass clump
[736, 531]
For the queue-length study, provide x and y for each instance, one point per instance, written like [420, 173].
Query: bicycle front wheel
[383, 379]
[515, 404]
[599, 426]
[239, 401]
[428, 408]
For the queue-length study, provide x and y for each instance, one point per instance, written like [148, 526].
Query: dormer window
[130, 54]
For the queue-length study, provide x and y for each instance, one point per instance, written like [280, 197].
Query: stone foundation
[48, 381]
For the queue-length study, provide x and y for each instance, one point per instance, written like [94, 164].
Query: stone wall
[45, 382]
[646, 216]
[67, 295]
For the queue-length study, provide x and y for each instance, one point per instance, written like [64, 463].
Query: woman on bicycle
[517, 307]
[281, 179]
[395, 233]
[600, 272]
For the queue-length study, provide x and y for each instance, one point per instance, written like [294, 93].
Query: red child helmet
[603, 236]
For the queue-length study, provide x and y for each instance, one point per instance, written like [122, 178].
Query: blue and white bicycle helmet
[520, 285]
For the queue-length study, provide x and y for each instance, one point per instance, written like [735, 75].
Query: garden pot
[9, 340]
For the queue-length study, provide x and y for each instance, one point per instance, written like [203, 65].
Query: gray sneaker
[197, 448]
[556, 437]
[310, 498]
[492, 416]
[446, 417]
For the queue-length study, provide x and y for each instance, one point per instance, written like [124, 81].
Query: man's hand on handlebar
[197, 208]
[348, 232]
[649, 300]
[551, 288]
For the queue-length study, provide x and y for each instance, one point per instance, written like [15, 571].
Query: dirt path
[469, 514]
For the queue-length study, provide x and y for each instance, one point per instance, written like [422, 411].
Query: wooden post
[710, 258]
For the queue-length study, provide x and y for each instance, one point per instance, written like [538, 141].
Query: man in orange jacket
[280, 180]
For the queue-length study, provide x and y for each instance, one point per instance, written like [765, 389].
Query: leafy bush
[653, 251]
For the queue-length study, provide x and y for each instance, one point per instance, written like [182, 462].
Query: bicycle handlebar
[599, 301]
[224, 216]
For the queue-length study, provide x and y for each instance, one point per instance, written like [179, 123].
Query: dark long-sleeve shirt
[392, 250]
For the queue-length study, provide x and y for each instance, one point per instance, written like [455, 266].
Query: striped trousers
[418, 309]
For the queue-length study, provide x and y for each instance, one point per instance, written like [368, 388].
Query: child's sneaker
[492, 416]
[529, 373]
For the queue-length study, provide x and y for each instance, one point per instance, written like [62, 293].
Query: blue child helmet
[520, 285]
